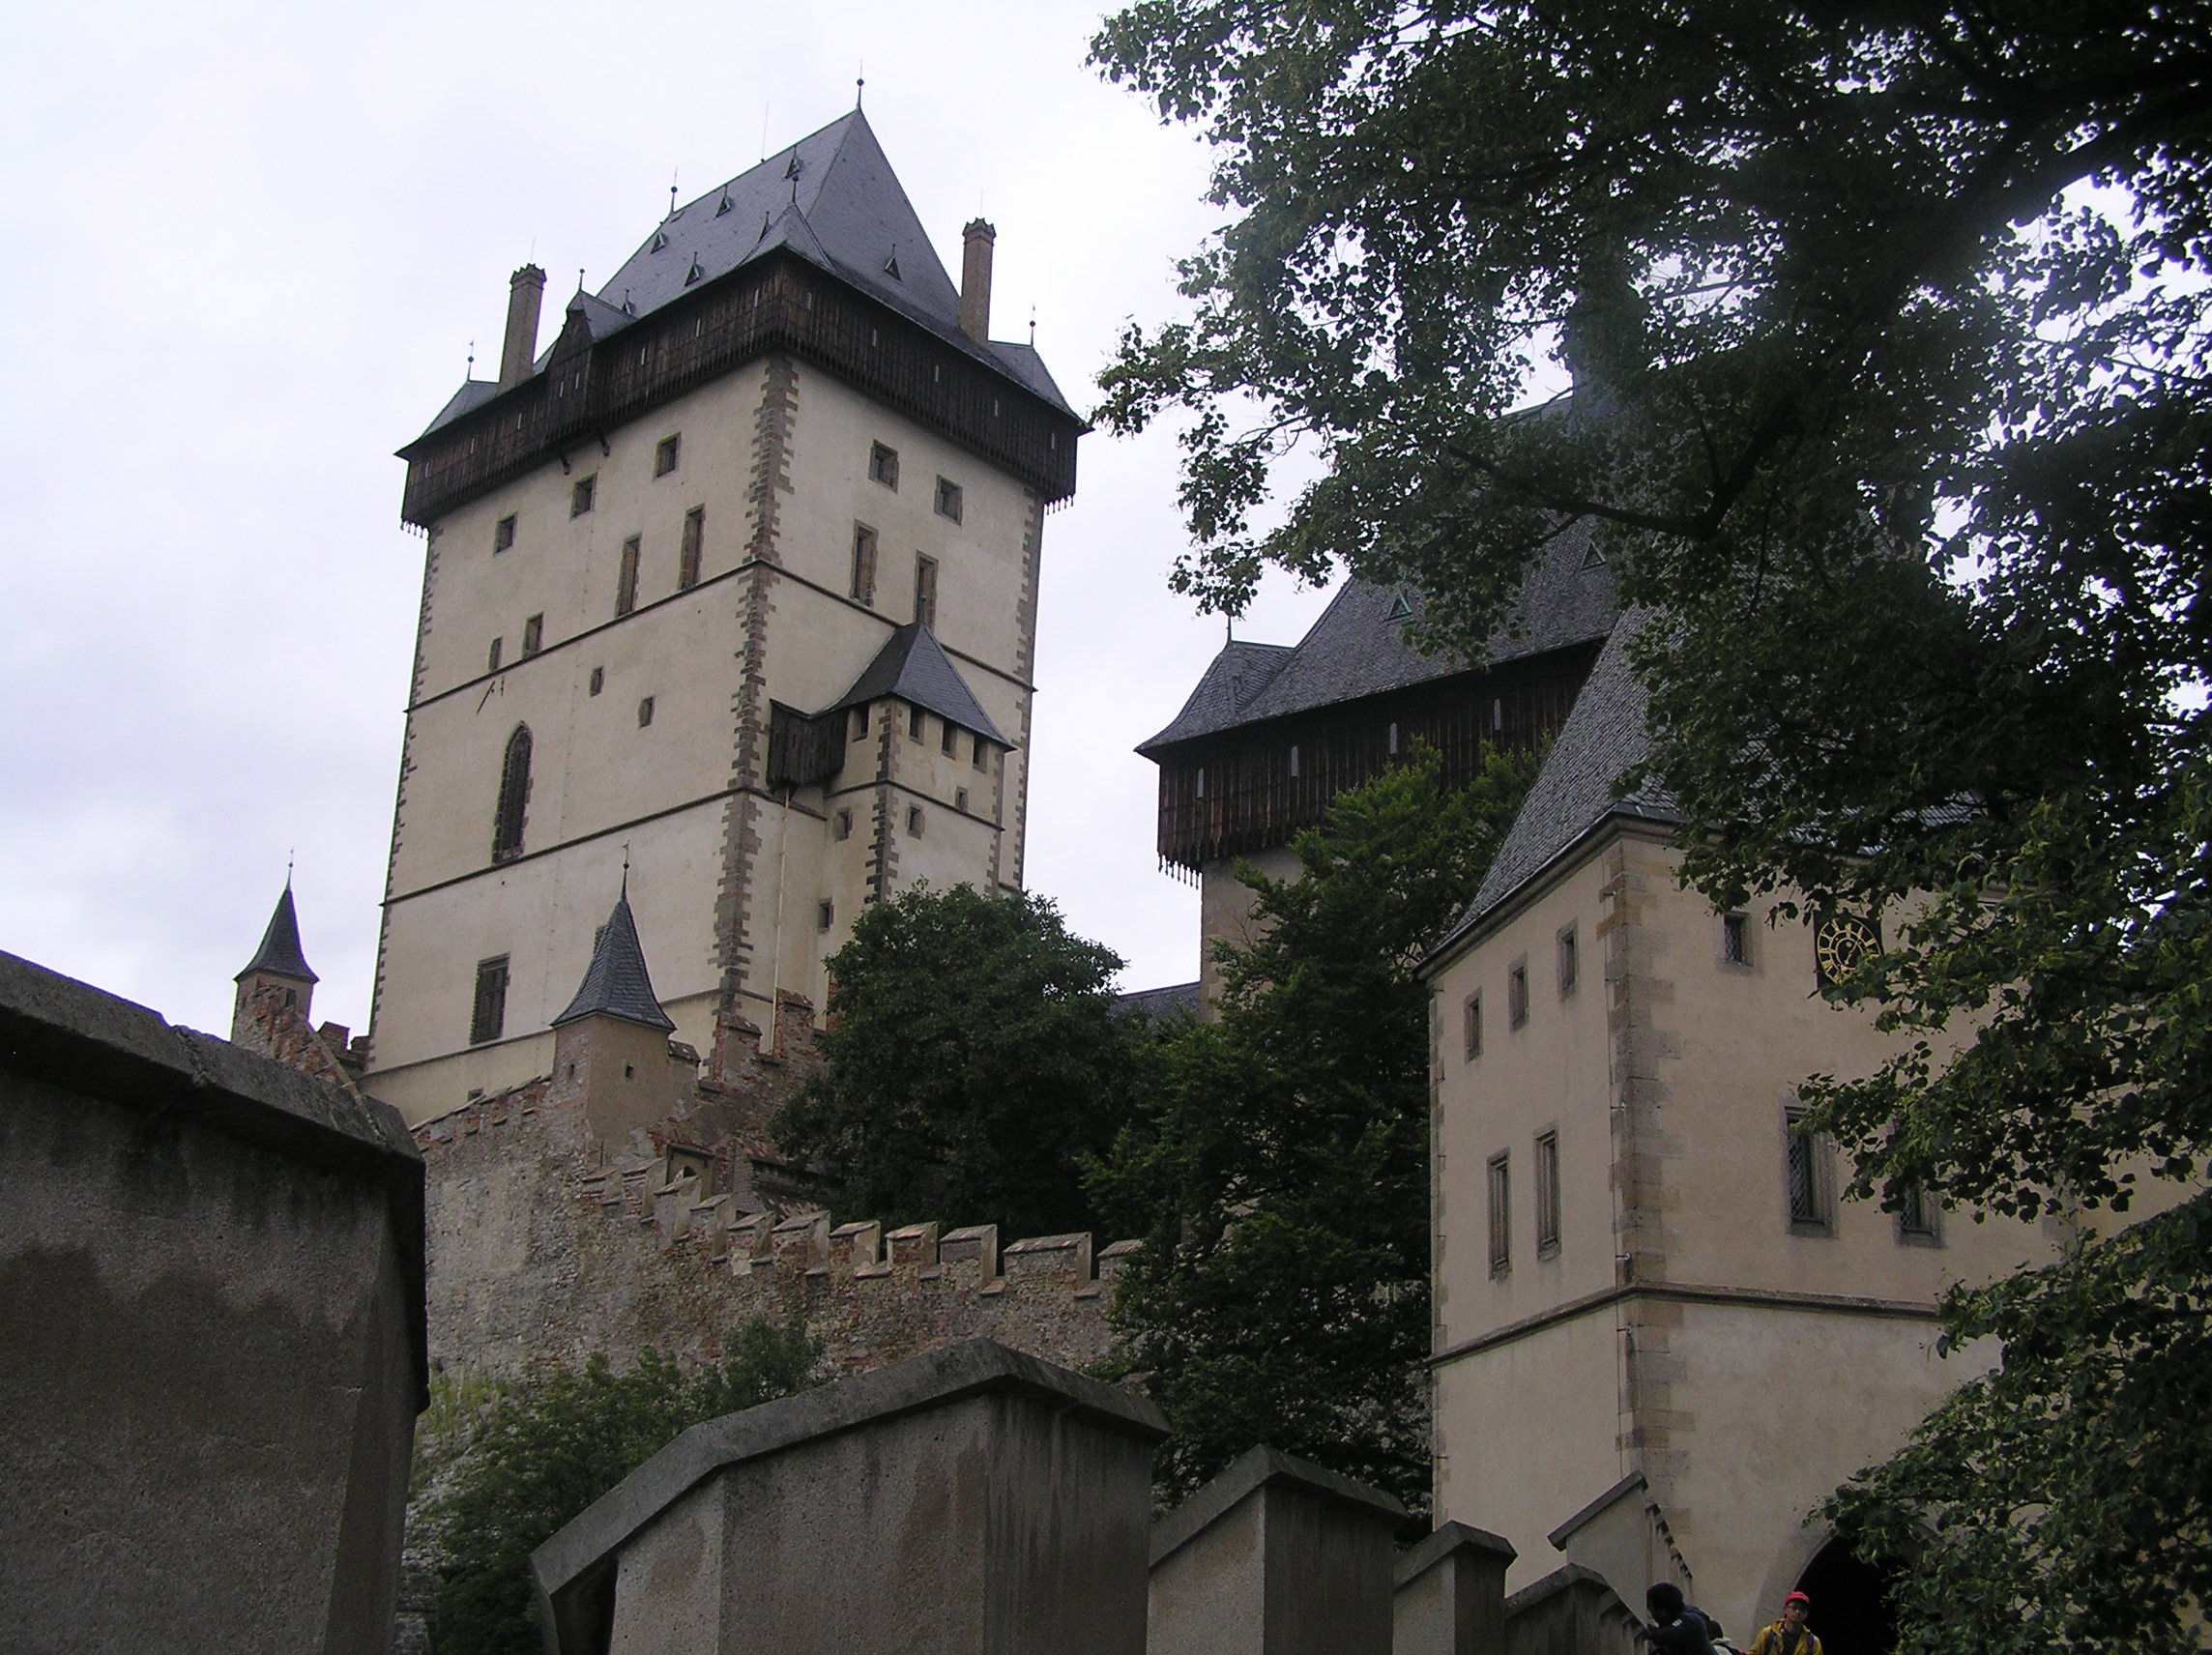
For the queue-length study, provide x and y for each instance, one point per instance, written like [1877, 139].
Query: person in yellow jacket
[1789, 1635]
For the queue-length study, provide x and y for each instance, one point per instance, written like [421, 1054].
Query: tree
[1279, 1177]
[1887, 330]
[974, 1057]
[546, 1449]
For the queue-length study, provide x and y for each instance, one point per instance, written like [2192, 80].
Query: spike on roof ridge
[615, 983]
[279, 954]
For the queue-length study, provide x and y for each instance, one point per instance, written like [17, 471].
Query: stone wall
[545, 1246]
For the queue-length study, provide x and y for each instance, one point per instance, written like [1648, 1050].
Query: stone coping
[585, 1550]
[83, 1040]
[1596, 1508]
[1447, 1539]
[1559, 1579]
[1254, 1469]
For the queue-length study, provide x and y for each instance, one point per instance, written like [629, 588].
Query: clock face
[1842, 946]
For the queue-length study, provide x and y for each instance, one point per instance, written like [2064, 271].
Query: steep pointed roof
[474, 393]
[1604, 736]
[833, 199]
[279, 953]
[1359, 645]
[914, 667]
[615, 983]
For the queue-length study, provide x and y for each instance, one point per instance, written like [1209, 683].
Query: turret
[277, 978]
[610, 1044]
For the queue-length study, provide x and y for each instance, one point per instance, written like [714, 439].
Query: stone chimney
[525, 293]
[975, 281]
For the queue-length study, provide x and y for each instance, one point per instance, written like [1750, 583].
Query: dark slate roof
[279, 953]
[473, 393]
[1603, 737]
[914, 667]
[615, 983]
[1177, 999]
[832, 198]
[1359, 645]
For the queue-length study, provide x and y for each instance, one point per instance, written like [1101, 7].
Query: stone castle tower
[736, 584]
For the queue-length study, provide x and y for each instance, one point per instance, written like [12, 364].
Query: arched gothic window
[513, 796]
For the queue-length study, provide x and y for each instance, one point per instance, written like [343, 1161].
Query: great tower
[735, 584]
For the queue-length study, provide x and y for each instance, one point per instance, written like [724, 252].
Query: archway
[1851, 1607]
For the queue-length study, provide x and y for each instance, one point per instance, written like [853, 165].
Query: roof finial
[672, 174]
[763, 108]
[579, 278]
[860, 84]
[289, 855]
[471, 373]
[626, 870]
[1032, 327]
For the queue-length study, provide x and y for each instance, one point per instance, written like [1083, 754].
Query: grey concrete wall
[971, 1502]
[1449, 1596]
[211, 1297]
[1274, 1556]
[1570, 1611]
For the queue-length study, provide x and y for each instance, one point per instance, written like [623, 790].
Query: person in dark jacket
[1679, 1628]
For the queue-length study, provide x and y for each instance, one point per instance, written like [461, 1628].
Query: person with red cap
[1789, 1635]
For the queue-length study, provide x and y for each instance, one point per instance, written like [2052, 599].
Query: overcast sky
[251, 246]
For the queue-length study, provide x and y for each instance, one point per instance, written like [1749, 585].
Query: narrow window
[1501, 1216]
[664, 454]
[693, 547]
[916, 721]
[513, 796]
[914, 820]
[534, 634]
[1201, 792]
[860, 723]
[948, 499]
[503, 534]
[645, 712]
[580, 496]
[1394, 740]
[1735, 938]
[1498, 715]
[1570, 966]
[1811, 1177]
[1294, 762]
[950, 741]
[825, 915]
[980, 751]
[1917, 1220]
[864, 562]
[1517, 995]
[841, 825]
[625, 581]
[925, 588]
[598, 679]
[1547, 1194]
[1470, 1027]
[960, 798]
[491, 661]
[882, 466]
[487, 1018]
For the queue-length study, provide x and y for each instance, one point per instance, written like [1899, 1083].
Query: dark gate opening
[1852, 1610]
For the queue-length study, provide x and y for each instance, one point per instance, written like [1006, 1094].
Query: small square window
[580, 496]
[533, 634]
[1470, 1027]
[1919, 1221]
[841, 825]
[492, 664]
[1570, 964]
[882, 466]
[598, 679]
[863, 588]
[825, 915]
[914, 820]
[916, 721]
[960, 798]
[664, 454]
[487, 1017]
[1501, 1179]
[1517, 995]
[1547, 1194]
[503, 534]
[692, 549]
[948, 742]
[1735, 938]
[948, 499]
[860, 723]
[645, 712]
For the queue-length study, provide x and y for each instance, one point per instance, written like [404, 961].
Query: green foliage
[1888, 327]
[545, 1449]
[1279, 1175]
[973, 1058]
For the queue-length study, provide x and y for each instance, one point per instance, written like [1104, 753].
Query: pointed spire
[279, 954]
[615, 983]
